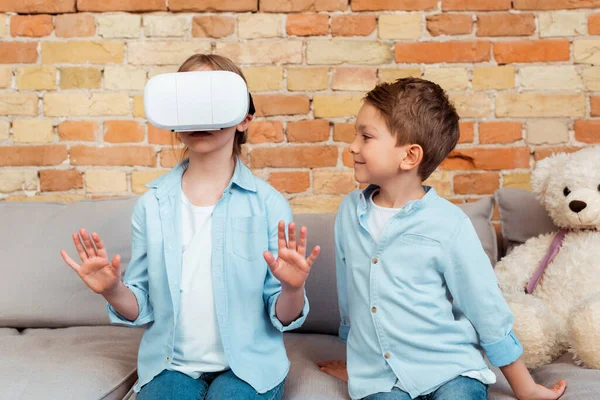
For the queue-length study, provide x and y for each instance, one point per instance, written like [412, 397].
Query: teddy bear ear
[544, 169]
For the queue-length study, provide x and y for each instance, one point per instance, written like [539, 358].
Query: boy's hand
[335, 368]
[542, 393]
[95, 270]
[291, 267]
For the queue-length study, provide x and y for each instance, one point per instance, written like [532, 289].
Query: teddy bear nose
[577, 205]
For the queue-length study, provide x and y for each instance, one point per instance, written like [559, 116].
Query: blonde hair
[217, 63]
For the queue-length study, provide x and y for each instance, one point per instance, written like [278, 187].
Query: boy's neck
[398, 192]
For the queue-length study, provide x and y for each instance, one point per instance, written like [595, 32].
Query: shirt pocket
[249, 236]
[419, 240]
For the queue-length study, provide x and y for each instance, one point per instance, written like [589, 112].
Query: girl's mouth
[200, 134]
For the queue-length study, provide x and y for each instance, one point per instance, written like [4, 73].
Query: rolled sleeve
[341, 282]
[145, 314]
[297, 323]
[505, 351]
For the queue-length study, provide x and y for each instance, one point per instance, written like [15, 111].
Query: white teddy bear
[563, 310]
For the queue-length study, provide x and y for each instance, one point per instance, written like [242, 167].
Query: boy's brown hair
[418, 111]
[217, 63]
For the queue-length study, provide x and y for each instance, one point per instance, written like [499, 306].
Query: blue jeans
[460, 388]
[212, 386]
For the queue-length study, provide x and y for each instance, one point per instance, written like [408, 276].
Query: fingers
[79, 247]
[270, 259]
[281, 242]
[99, 245]
[302, 242]
[70, 262]
[292, 236]
[116, 262]
[560, 387]
[313, 256]
[89, 246]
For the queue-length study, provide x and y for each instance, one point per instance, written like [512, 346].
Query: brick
[439, 52]
[58, 198]
[165, 26]
[448, 78]
[449, 24]
[213, 26]
[105, 181]
[531, 51]
[140, 178]
[346, 78]
[124, 77]
[32, 131]
[81, 52]
[257, 26]
[80, 78]
[75, 25]
[343, 132]
[347, 51]
[467, 132]
[586, 51]
[265, 132]
[267, 105]
[170, 157]
[123, 131]
[403, 26]
[18, 156]
[563, 23]
[162, 70]
[18, 52]
[554, 4]
[294, 157]
[500, 132]
[3, 24]
[164, 52]
[541, 153]
[213, 5]
[594, 106]
[121, 5]
[471, 105]
[591, 78]
[79, 104]
[517, 181]
[31, 25]
[308, 131]
[160, 136]
[37, 6]
[482, 183]
[332, 106]
[505, 24]
[119, 25]
[493, 159]
[17, 180]
[475, 5]
[262, 79]
[315, 204]
[333, 182]
[60, 180]
[4, 130]
[594, 24]
[550, 78]
[39, 77]
[302, 5]
[488, 78]
[84, 131]
[347, 159]
[393, 5]
[307, 25]
[114, 155]
[587, 131]
[300, 79]
[290, 182]
[547, 131]
[18, 104]
[138, 106]
[353, 25]
[6, 76]
[540, 105]
[393, 74]
[253, 52]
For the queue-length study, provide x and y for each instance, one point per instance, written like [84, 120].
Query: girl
[202, 238]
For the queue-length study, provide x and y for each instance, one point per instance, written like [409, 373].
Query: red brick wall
[522, 74]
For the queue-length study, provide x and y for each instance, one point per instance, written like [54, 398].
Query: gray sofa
[56, 342]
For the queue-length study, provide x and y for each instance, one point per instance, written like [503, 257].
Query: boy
[404, 254]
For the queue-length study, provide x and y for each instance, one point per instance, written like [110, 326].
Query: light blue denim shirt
[244, 226]
[396, 298]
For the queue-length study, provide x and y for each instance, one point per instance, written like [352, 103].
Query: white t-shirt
[198, 346]
[377, 218]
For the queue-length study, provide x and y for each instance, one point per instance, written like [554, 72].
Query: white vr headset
[197, 101]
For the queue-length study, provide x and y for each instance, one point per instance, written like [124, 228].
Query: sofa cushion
[38, 289]
[70, 363]
[522, 216]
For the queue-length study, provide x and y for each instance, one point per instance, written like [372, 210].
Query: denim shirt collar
[410, 207]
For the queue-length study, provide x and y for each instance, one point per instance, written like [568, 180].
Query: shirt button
[373, 309]
[387, 356]
[168, 359]
[374, 260]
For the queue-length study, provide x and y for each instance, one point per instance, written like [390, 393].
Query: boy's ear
[413, 155]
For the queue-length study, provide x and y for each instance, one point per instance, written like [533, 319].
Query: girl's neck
[207, 176]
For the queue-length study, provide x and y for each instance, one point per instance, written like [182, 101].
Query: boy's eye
[365, 137]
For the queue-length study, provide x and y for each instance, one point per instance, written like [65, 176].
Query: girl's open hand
[335, 368]
[291, 267]
[101, 275]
